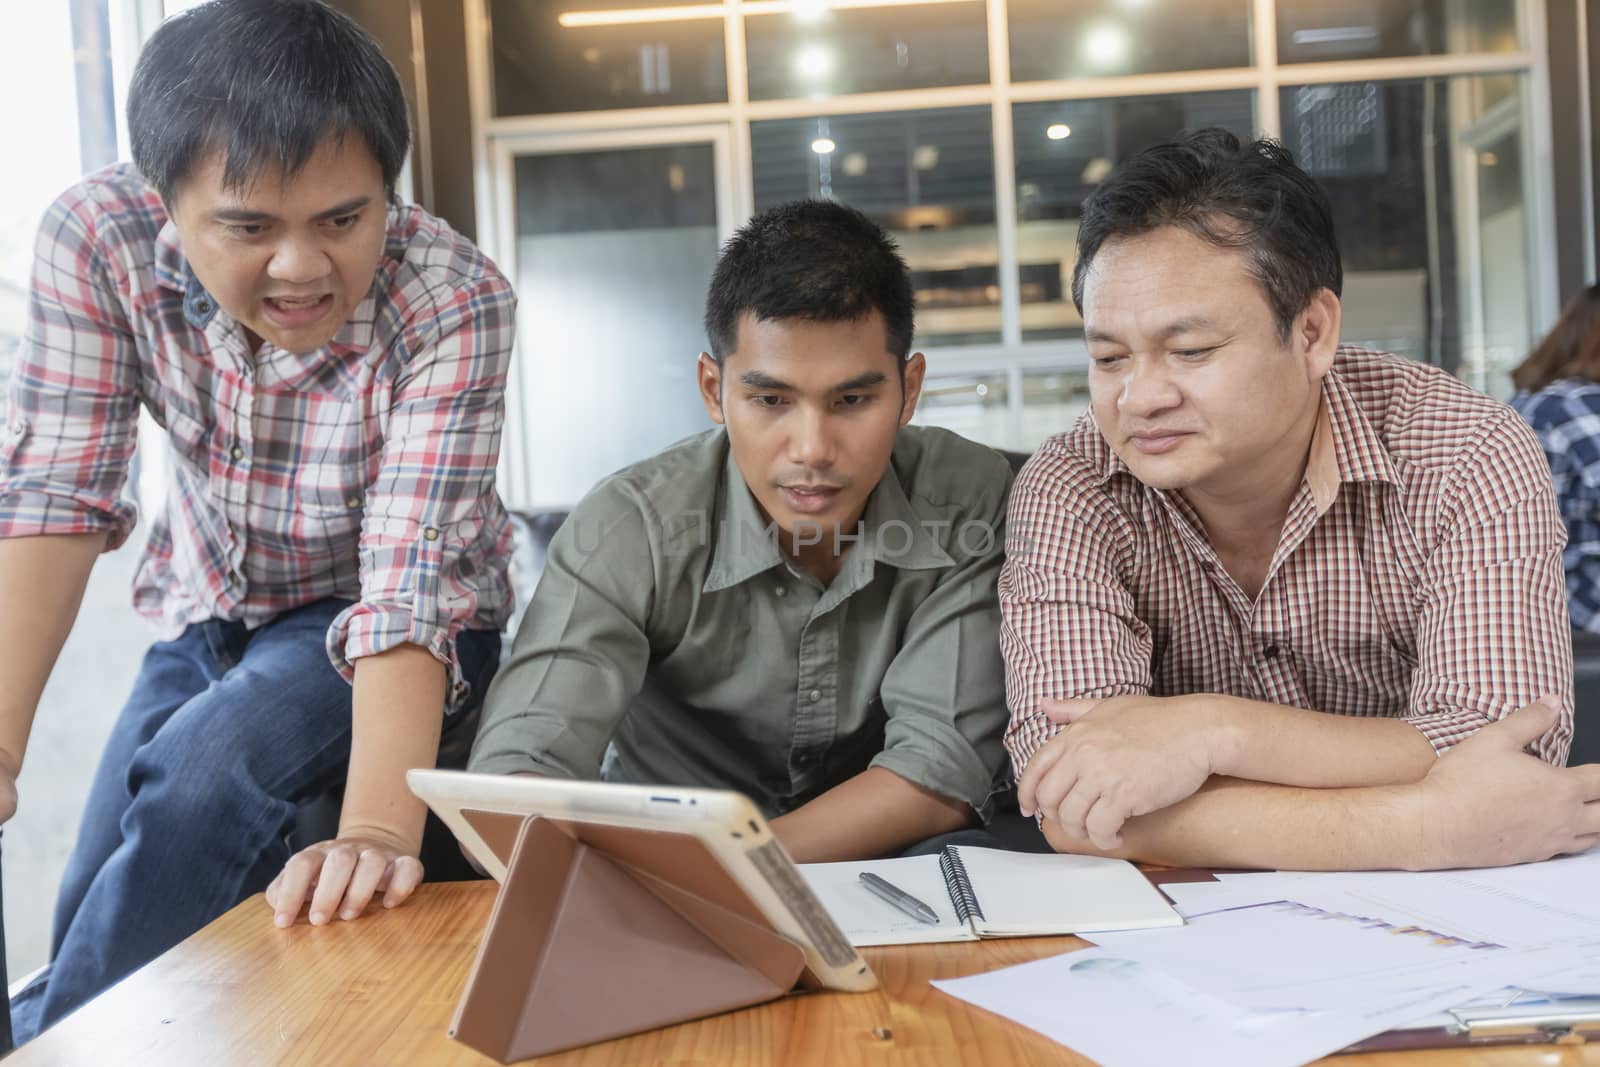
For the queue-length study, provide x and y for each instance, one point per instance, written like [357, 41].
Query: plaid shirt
[1566, 416]
[1418, 574]
[364, 470]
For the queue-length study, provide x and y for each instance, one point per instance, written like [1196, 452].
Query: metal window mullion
[1014, 406]
[1542, 192]
[1165, 84]
[643, 118]
[1264, 28]
[743, 159]
[479, 106]
[1003, 143]
[868, 103]
[1586, 158]
[1405, 68]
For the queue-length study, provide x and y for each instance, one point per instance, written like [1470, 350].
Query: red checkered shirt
[364, 470]
[1418, 574]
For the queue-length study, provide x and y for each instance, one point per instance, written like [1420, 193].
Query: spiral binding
[959, 886]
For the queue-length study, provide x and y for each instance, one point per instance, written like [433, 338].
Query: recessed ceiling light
[814, 61]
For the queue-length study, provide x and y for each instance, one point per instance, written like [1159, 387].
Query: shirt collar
[890, 531]
[1345, 447]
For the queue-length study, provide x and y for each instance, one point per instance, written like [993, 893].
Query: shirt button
[237, 452]
[203, 306]
[780, 591]
[353, 502]
[814, 696]
[430, 534]
[1270, 652]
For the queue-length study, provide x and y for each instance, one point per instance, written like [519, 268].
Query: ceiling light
[1096, 170]
[1058, 131]
[855, 164]
[823, 146]
[814, 62]
[1106, 45]
[925, 157]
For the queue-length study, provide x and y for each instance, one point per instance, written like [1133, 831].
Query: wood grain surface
[382, 990]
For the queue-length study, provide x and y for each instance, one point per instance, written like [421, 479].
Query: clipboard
[1545, 1021]
[1528, 1018]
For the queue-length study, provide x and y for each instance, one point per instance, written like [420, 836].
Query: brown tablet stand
[599, 932]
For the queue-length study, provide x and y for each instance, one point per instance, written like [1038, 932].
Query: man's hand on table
[1114, 759]
[1487, 803]
[340, 877]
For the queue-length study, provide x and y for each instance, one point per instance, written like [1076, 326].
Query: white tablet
[486, 813]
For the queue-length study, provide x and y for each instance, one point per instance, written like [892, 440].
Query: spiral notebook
[986, 892]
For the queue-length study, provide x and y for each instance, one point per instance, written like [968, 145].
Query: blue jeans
[226, 732]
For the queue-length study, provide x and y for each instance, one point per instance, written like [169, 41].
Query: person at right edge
[1558, 393]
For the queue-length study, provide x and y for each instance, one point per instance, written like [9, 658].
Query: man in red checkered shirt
[329, 569]
[1277, 602]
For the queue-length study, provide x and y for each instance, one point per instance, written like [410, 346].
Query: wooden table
[381, 991]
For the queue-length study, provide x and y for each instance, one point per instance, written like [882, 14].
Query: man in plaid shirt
[328, 572]
[1275, 602]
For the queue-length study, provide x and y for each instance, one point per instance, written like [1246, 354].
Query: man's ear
[916, 367]
[709, 375]
[1317, 332]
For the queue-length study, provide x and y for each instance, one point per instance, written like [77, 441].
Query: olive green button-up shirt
[670, 638]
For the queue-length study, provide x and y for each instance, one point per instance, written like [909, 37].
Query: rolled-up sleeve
[432, 539]
[943, 692]
[1493, 632]
[72, 417]
[582, 647]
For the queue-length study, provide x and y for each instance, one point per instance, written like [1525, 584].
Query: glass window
[613, 252]
[1052, 402]
[36, 65]
[1428, 184]
[1064, 150]
[1312, 30]
[972, 405]
[1094, 38]
[927, 177]
[589, 55]
[811, 54]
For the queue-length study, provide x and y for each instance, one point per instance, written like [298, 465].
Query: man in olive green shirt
[800, 605]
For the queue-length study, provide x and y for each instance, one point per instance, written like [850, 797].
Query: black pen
[900, 899]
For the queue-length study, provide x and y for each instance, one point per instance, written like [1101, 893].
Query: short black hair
[1250, 197]
[266, 81]
[810, 259]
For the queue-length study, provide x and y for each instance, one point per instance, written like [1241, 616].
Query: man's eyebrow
[1186, 324]
[861, 381]
[239, 214]
[245, 215]
[759, 380]
[354, 204]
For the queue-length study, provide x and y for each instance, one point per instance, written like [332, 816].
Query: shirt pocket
[330, 483]
[189, 439]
